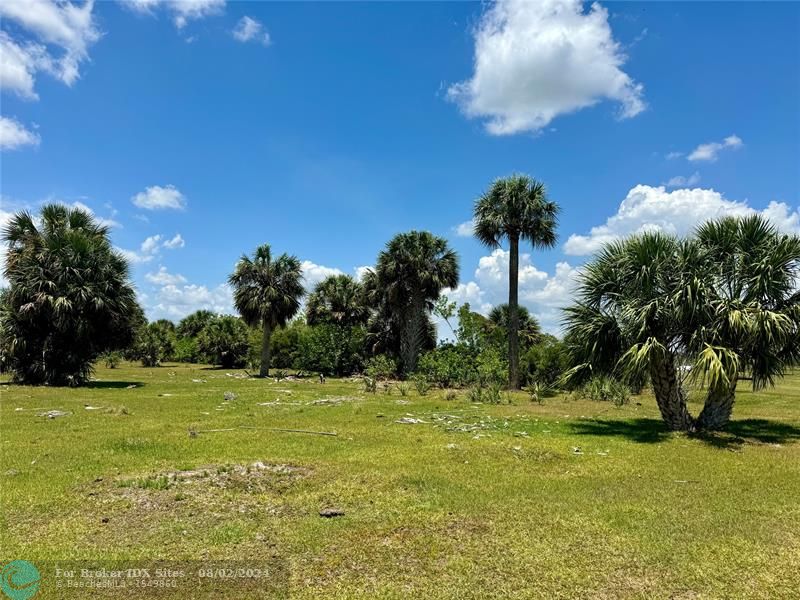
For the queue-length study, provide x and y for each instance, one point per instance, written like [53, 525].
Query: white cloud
[537, 60]
[681, 181]
[314, 273]
[677, 212]
[248, 29]
[163, 277]
[13, 135]
[673, 155]
[176, 242]
[710, 152]
[544, 294]
[465, 229]
[182, 10]
[160, 198]
[151, 247]
[360, 272]
[54, 37]
[175, 301]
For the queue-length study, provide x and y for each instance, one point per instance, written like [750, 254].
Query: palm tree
[627, 319]
[748, 310]
[267, 293]
[69, 297]
[528, 326]
[408, 278]
[515, 208]
[337, 300]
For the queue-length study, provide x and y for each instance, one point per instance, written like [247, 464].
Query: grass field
[567, 499]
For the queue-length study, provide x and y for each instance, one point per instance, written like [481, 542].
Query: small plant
[112, 359]
[403, 388]
[493, 393]
[475, 393]
[422, 385]
[606, 389]
[387, 389]
[281, 374]
[450, 395]
[537, 392]
[370, 384]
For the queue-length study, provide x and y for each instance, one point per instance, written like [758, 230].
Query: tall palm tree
[409, 276]
[267, 293]
[627, 318]
[515, 208]
[748, 309]
[337, 300]
[69, 297]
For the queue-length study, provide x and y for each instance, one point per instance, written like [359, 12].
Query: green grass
[567, 499]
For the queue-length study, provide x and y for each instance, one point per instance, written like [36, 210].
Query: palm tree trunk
[411, 335]
[669, 394]
[718, 407]
[265, 350]
[513, 314]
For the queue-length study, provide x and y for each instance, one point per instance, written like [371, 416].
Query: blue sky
[325, 129]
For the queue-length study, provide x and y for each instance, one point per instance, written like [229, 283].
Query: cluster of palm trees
[719, 306]
[397, 296]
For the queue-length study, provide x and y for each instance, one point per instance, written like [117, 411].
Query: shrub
[370, 384]
[606, 389]
[154, 344]
[449, 365]
[422, 385]
[381, 367]
[403, 388]
[224, 341]
[331, 349]
[546, 362]
[112, 359]
[492, 367]
[186, 350]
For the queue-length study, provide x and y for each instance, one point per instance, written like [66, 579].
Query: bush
[606, 389]
[422, 385]
[449, 365]
[224, 341]
[111, 359]
[331, 349]
[155, 343]
[186, 350]
[492, 367]
[284, 345]
[546, 362]
[381, 367]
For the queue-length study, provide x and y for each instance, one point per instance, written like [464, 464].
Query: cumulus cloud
[677, 212]
[176, 300]
[710, 152]
[314, 273]
[13, 134]
[163, 277]
[537, 60]
[681, 181]
[182, 11]
[51, 36]
[544, 294]
[361, 272]
[251, 30]
[160, 198]
[176, 242]
[151, 247]
[465, 229]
